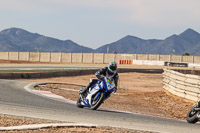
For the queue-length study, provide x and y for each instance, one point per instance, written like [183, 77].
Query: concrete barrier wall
[66, 57]
[98, 58]
[77, 57]
[176, 58]
[196, 59]
[188, 59]
[183, 85]
[4, 55]
[108, 58]
[24, 56]
[13, 56]
[45, 57]
[165, 57]
[154, 57]
[118, 57]
[88, 57]
[56, 57]
[34, 56]
[142, 56]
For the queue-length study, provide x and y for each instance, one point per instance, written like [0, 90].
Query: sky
[93, 23]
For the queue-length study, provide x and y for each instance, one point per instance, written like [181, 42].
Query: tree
[115, 52]
[186, 54]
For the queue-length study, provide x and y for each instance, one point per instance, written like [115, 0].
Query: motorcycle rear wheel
[192, 116]
[78, 103]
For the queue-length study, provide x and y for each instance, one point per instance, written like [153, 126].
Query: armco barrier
[45, 74]
[183, 85]
[69, 73]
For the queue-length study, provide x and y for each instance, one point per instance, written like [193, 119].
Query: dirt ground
[138, 93]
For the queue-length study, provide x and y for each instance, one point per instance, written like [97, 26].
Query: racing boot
[83, 92]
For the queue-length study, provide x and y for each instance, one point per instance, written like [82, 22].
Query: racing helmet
[112, 67]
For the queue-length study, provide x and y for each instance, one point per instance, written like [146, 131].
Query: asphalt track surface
[15, 100]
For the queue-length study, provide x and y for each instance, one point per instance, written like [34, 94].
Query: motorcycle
[194, 114]
[97, 94]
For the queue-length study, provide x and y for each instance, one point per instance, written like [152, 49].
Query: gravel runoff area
[138, 93]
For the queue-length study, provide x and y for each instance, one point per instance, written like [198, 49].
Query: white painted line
[38, 126]
[40, 91]
[69, 89]
[47, 94]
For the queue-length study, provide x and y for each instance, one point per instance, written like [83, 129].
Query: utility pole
[107, 49]
[37, 49]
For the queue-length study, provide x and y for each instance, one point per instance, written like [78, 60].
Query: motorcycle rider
[109, 71]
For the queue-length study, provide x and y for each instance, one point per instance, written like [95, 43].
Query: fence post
[71, 57]
[8, 55]
[17, 55]
[81, 57]
[92, 58]
[135, 56]
[50, 57]
[39, 56]
[158, 57]
[147, 57]
[60, 56]
[170, 57]
[103, 58]
[181, 59]
[29, 56]
[192, 59]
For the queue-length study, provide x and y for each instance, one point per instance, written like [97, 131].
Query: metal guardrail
[183, 85]
[29, 75]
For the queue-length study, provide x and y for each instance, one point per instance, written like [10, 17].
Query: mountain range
[16, 39]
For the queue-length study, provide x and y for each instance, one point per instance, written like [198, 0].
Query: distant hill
[188, 41]
[15, 39]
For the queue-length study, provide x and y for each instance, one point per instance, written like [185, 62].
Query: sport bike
[97, 94]
[194, 114]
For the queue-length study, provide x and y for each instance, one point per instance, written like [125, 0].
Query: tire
[192, 116]
[78, 103]
[99, 102]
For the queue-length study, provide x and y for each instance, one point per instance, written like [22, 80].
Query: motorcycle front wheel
[97, 102]
[192, 116]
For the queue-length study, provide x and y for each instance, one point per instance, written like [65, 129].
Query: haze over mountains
[15, 39]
